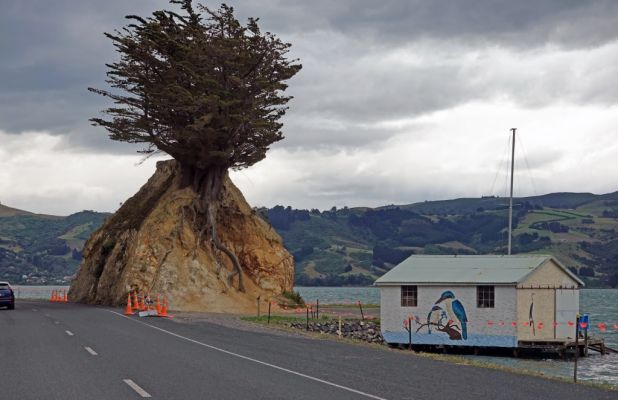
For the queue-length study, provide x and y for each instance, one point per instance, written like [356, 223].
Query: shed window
[485, 296]
[408, 296]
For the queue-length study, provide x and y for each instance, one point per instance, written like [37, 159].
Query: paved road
[66, 351]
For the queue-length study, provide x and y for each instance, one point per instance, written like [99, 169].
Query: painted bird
[437, 317]
[455, 310]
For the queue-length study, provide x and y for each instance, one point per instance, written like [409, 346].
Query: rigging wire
[505, 196]
[523, 150]
[503, 161]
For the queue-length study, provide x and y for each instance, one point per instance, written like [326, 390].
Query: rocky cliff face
[145, 246]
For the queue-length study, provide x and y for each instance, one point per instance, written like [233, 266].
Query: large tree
[203, 88]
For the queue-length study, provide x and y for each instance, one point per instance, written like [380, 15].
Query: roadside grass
[277, 319]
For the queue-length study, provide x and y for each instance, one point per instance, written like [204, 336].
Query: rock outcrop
[145, 246]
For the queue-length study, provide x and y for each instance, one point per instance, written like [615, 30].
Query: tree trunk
[208, 185]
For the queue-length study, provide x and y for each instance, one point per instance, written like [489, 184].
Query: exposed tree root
[228, 252]
[201, 214]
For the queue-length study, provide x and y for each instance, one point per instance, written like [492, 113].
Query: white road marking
[69, 333]
[34, 309]
[289, 371]
[89, 350]
[135, 387]
[56, 322]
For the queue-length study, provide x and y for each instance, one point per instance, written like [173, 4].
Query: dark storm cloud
[52, 51]
[528, 23]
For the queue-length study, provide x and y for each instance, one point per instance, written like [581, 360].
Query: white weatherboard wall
[540, 303]
[567, 307]
[500, 333]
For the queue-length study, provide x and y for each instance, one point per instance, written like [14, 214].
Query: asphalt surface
[67, 351]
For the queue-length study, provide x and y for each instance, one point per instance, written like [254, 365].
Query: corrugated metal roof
[465, 269]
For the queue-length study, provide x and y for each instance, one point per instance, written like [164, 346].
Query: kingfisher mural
[447, 315]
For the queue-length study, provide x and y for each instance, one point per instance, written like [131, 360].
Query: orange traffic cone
[55, 296]
[135, 302]
[163, 312]
[143, 305]
[128, 310]
[51, 298]
[158, 306]
[66, 299]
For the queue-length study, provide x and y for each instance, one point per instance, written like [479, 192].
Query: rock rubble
[367, 331]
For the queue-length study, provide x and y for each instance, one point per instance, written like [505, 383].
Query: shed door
[567, 307]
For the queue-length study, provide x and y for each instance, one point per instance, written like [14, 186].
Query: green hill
[41, 249]
[353, 246]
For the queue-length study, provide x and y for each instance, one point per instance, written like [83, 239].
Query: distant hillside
[11, 212]
[355, 246]
[41, 249]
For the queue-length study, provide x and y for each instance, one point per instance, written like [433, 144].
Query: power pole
[511, 197]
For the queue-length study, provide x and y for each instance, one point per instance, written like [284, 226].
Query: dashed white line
[89, 350]
[136, 387]
[289, 371]
[69, 333]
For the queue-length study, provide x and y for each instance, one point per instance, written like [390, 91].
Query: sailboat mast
[511, 196]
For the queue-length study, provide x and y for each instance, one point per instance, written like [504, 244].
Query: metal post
[258, 306]
[307, 325]
[410, 333]
[317, 309]
[269, 312]
[511, 197]
[576, 348]
[340, 332]
[361, 310]
[586, 341]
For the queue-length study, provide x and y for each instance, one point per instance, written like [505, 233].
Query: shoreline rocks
[367, 331]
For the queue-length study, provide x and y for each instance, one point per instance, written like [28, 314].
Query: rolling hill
[43, 249]
[11, 212]
[353, 246]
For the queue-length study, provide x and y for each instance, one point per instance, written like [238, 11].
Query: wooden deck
[566, 347]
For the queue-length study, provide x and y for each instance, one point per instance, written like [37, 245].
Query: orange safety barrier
[128, 310]
[163, 312]
[135, 302]
[143, 305]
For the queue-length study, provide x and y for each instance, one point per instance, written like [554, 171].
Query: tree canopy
[199, 86]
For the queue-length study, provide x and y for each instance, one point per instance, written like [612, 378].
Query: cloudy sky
[398, 101]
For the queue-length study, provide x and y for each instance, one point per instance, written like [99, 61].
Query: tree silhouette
[203, 88]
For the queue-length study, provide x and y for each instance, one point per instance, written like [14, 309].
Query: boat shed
[479, 300]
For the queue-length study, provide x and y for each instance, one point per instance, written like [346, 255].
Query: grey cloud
[506, 22]
[52, 51]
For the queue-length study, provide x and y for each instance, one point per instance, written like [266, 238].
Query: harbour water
[600, 304]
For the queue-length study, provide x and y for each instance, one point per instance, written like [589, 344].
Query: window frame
[409, 295]
[485, 296]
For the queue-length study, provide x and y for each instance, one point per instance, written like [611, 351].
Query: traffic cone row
[134, 304]
[59, 296]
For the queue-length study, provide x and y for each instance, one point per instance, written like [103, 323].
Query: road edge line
[289, 371]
